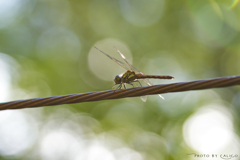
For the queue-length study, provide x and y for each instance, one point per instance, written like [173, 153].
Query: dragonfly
[132, 75]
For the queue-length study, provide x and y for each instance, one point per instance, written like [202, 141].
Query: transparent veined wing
[124, 65]
[137, 84]
[128, 63]
[149, 83]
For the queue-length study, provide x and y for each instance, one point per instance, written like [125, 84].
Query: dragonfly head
[117, 79]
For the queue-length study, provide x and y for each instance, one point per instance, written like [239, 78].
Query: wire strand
[122, 93]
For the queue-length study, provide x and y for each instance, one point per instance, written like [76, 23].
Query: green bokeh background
[48, 46]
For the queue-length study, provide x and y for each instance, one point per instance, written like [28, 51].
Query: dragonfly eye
[117, 79]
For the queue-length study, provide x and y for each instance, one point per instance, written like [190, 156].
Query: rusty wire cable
[123, 93]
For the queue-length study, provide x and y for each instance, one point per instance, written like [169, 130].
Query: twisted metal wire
[123, 93]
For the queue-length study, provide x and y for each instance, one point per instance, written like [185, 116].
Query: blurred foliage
[47, 47]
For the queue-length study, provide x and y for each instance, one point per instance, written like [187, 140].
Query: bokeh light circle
[213, 26]
[9, 73]
[18, 133]
[58, 44]
[210, 129]
[10, 10]
[142, 13]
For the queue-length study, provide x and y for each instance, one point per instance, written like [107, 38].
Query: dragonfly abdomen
[141, 76]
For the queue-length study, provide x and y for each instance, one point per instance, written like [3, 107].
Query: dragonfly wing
[129, 64]
[125, 66]
[143, 98]
[149, 83]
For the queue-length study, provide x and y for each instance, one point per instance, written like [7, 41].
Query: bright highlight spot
[97, 150]
[5, 80]
[60, 145]
[9, 11]
[17, 133]
[210, 129]
[7, 64]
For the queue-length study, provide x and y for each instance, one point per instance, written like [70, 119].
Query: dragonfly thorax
[117, 79]
[126, 77]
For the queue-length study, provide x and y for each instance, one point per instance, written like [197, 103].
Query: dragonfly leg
[124, 86]
[139, 82]
[114, 85]
[119, 87]
[133, 87]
